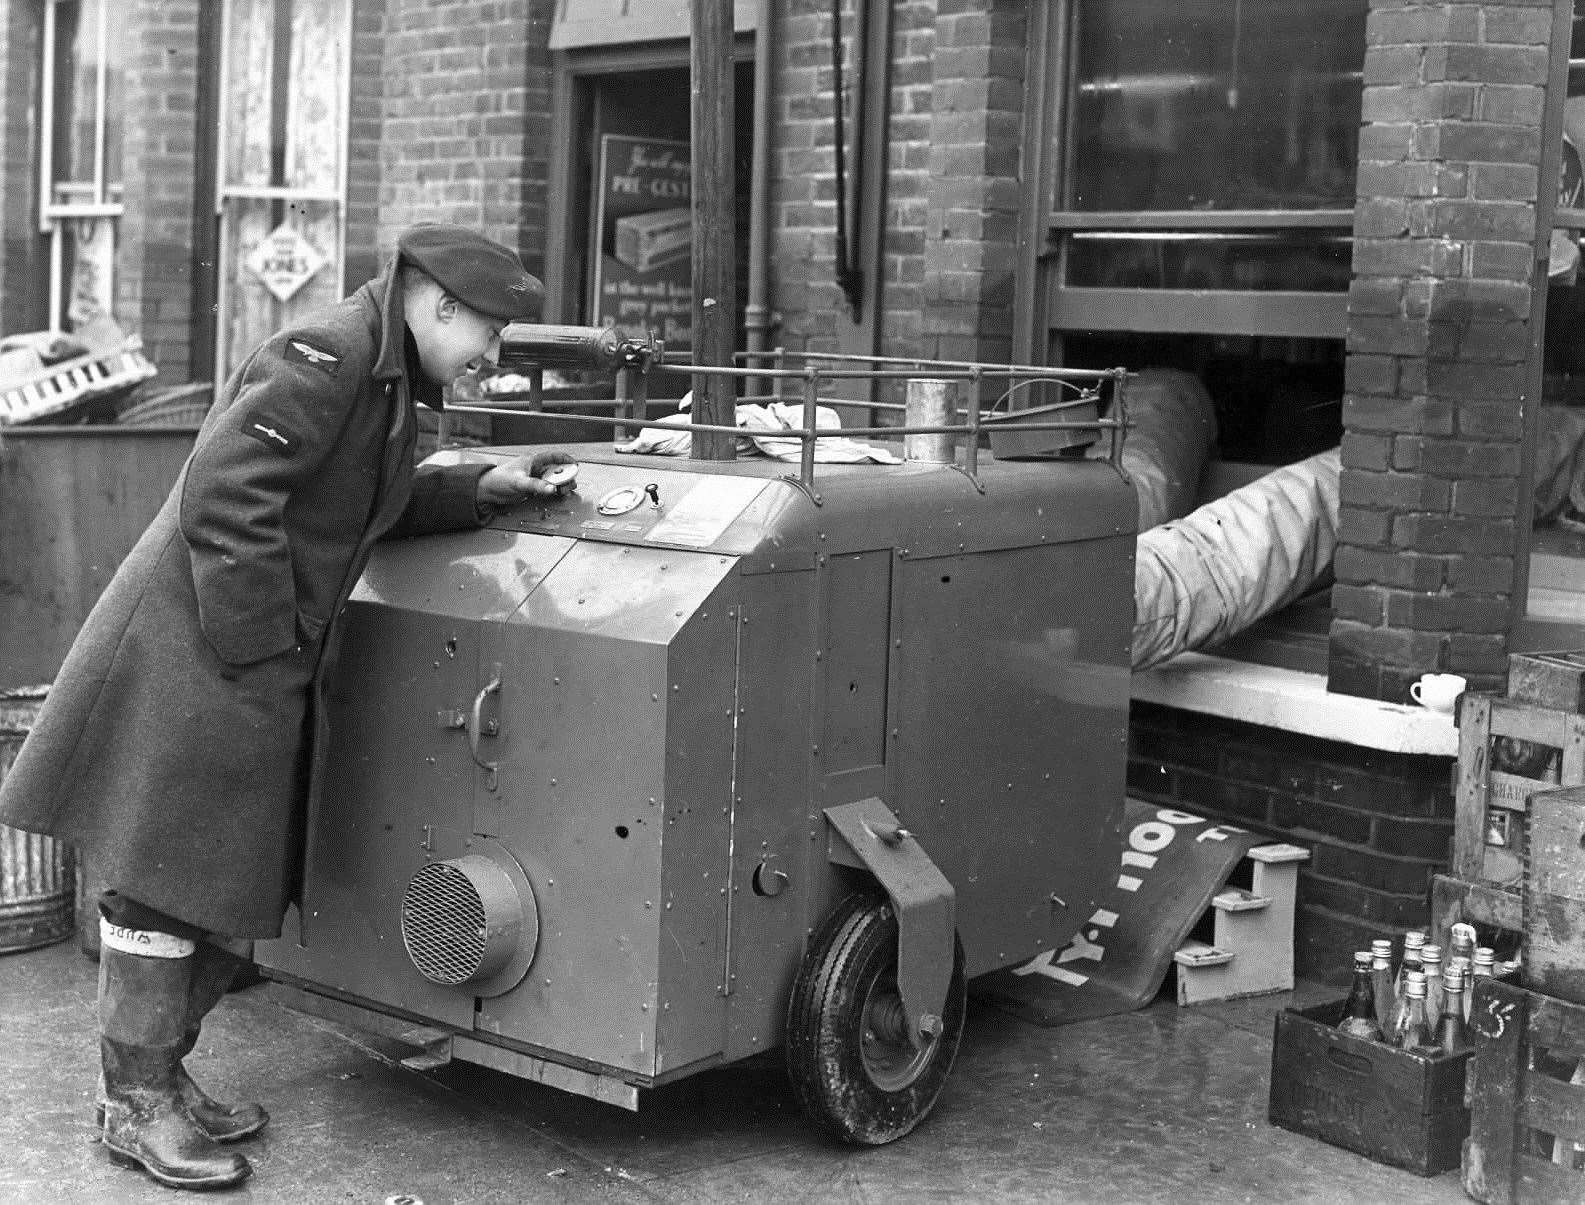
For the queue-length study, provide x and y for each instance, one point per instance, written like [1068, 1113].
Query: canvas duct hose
[1171, 431]
[1202, 578]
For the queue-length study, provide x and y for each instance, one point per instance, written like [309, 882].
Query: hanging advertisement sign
[644, 223]
[285, 261]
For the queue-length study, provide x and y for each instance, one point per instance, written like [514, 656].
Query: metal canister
[38, 881]
[929, 403]
[596, 348]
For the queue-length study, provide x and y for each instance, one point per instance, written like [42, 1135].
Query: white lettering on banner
[1151, 836]
[1040, 964]
[1218, 833]
[1145, 841]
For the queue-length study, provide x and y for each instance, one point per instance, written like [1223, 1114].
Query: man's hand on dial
[517, 481]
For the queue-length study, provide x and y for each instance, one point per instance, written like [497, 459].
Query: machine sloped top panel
[748, 508]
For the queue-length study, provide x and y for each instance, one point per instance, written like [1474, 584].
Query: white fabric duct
[1171, 431]
[1200, 579]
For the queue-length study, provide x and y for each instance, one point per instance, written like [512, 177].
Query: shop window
[1202, 205]
[621, 183]
[281, 182]
[80, 176]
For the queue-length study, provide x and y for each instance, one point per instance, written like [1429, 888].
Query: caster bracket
[867, 834]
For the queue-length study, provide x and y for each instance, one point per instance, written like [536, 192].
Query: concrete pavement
[1165, 1104]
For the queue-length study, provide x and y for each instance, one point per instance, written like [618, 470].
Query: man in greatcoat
[180, 744]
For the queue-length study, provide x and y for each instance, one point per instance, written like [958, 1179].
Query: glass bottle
[1409, 1029]
[1413, 943]
[1461, 941]
[1431, 963]
[1381, 978]
[1463, 967]
[1450, 1035]
[1359, 1010]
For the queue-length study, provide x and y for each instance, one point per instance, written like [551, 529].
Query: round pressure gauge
[621, 500]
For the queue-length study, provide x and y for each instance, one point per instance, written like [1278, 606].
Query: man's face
[451, 338]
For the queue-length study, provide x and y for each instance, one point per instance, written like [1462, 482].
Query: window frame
[55, 217]
[1045, 307]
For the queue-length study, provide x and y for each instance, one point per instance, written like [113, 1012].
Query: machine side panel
[399, 781]
[703, 716]
[779, 830]
[583, 748]
[1010, 697]
[856, 592]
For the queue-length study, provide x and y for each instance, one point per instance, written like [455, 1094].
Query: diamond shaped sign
[285, 261]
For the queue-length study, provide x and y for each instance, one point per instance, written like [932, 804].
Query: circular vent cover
[471, 922]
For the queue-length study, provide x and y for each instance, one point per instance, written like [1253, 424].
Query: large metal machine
[701, 758]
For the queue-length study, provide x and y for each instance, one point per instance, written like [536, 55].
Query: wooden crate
[1554, 896]
[1496, 738]
[1554, 680]
[1523, 1107]
[1400, 1107]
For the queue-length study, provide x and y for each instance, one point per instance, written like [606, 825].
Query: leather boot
[144, 980]
[213, 969]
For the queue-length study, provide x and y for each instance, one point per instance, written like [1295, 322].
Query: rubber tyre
[861, 1088]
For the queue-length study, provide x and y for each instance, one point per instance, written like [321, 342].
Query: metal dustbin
[38, 875]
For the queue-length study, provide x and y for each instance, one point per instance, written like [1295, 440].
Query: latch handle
[475, 729]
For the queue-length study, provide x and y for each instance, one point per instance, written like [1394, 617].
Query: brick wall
[1378, 825]
[365, 101]
[971, 220]
[1438, 325]
[159, 140]
[460, 82]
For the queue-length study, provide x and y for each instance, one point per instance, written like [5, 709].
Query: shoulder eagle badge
[302, 352]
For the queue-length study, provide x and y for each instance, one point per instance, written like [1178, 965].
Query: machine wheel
[851, 1064]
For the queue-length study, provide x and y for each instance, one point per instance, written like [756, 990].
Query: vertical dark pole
[714, 194]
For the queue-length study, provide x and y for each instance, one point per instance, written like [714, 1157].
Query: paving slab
[1164, 1104]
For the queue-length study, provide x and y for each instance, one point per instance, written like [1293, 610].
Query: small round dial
[621, 500]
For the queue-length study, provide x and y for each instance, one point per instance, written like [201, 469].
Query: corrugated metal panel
[614, 22]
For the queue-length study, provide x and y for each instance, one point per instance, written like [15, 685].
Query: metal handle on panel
[476, 729]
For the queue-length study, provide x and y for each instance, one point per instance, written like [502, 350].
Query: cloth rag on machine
[760, 424]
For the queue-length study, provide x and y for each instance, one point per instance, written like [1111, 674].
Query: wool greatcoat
[181, 742]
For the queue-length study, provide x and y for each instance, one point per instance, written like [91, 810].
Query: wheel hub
[890, 1059]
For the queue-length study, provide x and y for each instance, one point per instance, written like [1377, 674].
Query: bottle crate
[1400, 1107]
[1508, 751]
[1527, 1118]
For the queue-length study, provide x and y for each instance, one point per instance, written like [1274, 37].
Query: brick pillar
[154, 287]
[971, 216]
[1438, 325]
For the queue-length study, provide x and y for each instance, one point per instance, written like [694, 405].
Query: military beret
[479, 272]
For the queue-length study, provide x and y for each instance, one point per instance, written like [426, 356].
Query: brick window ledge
[1293, 701]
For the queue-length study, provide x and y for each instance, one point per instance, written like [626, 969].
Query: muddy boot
[144, 980]
[213, 970]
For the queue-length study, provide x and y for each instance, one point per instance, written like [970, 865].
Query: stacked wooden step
[1251, 947]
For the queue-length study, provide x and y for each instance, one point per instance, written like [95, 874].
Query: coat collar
[386, 294]
[393, 362]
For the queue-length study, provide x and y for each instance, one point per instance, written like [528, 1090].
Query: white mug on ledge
[1438, 692]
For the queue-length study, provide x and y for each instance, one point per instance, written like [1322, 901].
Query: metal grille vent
[443, 924]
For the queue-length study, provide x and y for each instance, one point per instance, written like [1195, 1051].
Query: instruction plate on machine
[705, 511]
